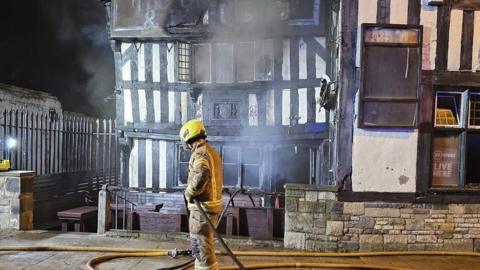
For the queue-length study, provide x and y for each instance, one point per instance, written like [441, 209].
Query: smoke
[60, 47]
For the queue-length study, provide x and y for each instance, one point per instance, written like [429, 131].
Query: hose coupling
[179, 252]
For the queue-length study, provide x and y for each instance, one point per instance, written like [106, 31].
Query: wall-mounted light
[10, 143]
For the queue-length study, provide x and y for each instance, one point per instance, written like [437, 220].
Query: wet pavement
[78, 260]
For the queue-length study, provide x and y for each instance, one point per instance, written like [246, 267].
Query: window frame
[461, 132]
[239, 165]
[389, 100]
[184, 65]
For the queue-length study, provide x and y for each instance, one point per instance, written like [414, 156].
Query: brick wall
[16, 200]
[315, 220]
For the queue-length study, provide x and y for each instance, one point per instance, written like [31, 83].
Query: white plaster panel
[127, 106]
[156, 62]
[455, 40]
[286, 107]
[184, 104]
[133, 165]
[286, 60]
[270, 107]
[302, 105]
[126, 69]
[367, 13]
[163, 164]
[428, 18]
[142, 105]
[148, 164]
[171, 64]
[320, 64]
[476, 42]
[398, 11]
[302, 59]
[141, 63]
[171, 106]
[252, 110]
[157, 105]
[384, 161]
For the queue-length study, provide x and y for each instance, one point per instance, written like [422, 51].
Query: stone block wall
[315, 220]
[16, 200]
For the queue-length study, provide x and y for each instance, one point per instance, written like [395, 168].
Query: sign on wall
[445, 161]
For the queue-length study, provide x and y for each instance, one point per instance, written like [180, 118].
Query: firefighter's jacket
[205, 179]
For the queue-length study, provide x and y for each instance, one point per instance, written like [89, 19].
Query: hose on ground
[136, 252]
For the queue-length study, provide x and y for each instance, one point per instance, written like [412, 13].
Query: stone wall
[315, 220]
[16, 200]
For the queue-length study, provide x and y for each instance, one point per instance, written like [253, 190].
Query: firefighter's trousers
[201, 237]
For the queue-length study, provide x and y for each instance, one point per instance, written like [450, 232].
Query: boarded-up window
[224, 63]
[245, 62]
[263, 60]
[391, 66]
[202, 54]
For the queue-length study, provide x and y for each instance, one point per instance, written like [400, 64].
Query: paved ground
[77, 260]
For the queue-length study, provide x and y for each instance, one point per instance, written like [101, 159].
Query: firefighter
[205, 185]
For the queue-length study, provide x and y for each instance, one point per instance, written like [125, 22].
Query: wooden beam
[467, 40]
[424, 146]
[466, 4]
[347, 85]
[414, 7]
[443, 32]
[163, 78]
[456, 78]
[383, 11]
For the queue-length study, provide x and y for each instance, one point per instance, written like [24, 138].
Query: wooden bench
[78, 216]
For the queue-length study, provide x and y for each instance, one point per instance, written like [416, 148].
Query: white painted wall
[455, 40]
[384, 160]
[476, 42]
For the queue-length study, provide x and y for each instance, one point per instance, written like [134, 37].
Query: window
[391, 63]
[224, 62]
[245, 63]
[184, 55]
[202, 65]
[456, 140]
[183, 160]
[241, 166]
[263, 60]
[293, 164]
[304, 12]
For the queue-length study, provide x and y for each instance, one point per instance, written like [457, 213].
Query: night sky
[60, 47]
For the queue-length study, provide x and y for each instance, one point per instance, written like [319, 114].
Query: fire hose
[136, 252]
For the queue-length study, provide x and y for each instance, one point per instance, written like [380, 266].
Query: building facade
[390, 165]
[407, 172]
[251, 70]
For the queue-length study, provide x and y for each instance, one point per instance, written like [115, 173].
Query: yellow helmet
[192, 129]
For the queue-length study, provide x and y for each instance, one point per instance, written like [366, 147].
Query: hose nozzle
[179, 252]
